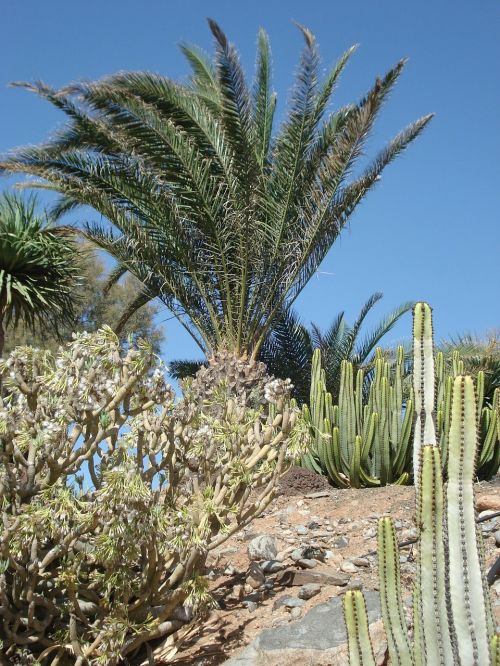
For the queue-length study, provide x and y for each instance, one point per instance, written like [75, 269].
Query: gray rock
[251, 606]
[306, 563]
[295, 613]
[294, 577]
[341, 542]
[271, 566]
[263, 547]
[319, 638]
[297, 554]
[313, 525]
[309, 590]
[361, 562]
[302, 530]
[354, 584]
[288, 602]
[497, 538]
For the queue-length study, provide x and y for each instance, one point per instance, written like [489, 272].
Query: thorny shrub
[113, 494]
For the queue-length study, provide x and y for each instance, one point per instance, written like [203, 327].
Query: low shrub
[112, 495]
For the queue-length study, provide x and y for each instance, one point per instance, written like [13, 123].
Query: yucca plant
[219, 215]
[39, 266]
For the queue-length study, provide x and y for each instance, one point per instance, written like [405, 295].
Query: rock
[309, 591]
[485, 515]
[231, 571]
[255, 576]
[262, 547]
[302, 530]
[288, 602]
[361, 562]
[297, 554]
[348, 567]
[313, 525]
[314, 553]
[306, 563]
[236, 593]
[283, 554]
[319, 639]
[485, 502]
[300, 503]
[497, 538]
[398, 524]
[271, 566]
[321, 493]
[355, 584]
[371, 533]
[292, 577]
[295, 613]
[341, 542]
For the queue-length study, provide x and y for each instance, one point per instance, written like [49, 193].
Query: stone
[341, 542]
[309, 591]
[348, 567]
[255, 576]
[485, 502]
[306, 563]
[295, 613]
[251, 606]
[297, 554]
[354, 584]
[263, 547]
[318, 495]
[302, 530]
[294, 577]
[485, 515]
[361, 562]
[497, 538]
[271, 566]
[231, 571]
[288, 602]
[236, 593]
[317, 639]
[314, 553]
[283, 554]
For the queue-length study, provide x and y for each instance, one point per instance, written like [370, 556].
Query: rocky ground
[312, 544]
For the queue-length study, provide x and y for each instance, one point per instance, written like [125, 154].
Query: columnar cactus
[423, 381]
[452, 618]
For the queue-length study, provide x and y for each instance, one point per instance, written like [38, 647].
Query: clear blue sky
[429, 230]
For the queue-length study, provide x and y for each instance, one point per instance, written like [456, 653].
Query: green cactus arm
[391, 600]
[434, 630]
[404, 450]
[423, 381]
[479, 394]
[495, 650]
[358, 635]
[358, 401]
[368, 481]
[355, 469]
[490, 438]
[330, 456]
[368, 436]
[469, 608]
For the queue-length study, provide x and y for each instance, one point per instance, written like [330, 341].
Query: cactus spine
[452, 619]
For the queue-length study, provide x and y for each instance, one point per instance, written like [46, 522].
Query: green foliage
[39, 268]
[215, 212]
[360, 441]
[112, 496]
[94, 305]
[452, 617]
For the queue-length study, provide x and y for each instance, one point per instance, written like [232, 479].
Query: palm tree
[288, 349]
[221, 217]
[38, 267]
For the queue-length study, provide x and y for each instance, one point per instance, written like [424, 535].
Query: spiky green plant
[216, 213]
[359, 442]
[452, 617]
[38, 266]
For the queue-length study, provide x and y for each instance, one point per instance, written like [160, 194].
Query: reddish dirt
[300, 481]
[348, 515]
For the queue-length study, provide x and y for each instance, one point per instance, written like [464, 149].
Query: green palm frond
[217, 211]
[39, 267]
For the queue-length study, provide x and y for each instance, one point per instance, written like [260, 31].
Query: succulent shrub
[113, 494]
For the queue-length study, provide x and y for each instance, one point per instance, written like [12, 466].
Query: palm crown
[221, 217]
[38, 266]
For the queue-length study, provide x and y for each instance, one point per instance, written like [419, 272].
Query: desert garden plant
[112, 495]
[452, 616]
[216, 213]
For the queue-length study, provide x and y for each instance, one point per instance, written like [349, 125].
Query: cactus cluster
[452, 617]
[362, 440]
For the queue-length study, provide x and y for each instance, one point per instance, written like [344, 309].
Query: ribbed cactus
[360, 442]
[452, 618]
[423, 381]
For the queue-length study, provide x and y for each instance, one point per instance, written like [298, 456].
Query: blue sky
[430, 228]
